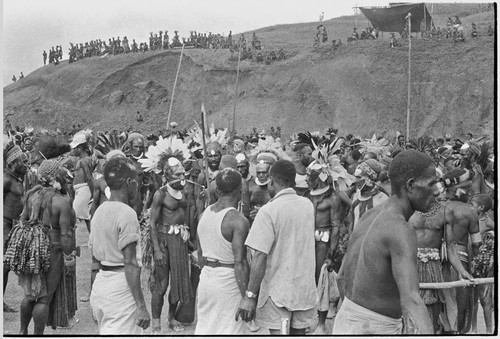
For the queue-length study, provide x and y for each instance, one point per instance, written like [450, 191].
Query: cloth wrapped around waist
[355, 319]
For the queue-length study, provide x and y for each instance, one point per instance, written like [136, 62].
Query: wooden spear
[175, 84]
[458, 283]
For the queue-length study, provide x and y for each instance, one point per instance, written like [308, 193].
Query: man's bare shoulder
[461, 209]
[236, 219]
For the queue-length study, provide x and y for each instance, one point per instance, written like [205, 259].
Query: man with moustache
[169, 235]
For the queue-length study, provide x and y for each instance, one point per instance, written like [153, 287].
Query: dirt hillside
[360, 88]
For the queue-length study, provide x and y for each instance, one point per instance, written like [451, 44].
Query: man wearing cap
[169, 235]
[83, 181]
[16, 161]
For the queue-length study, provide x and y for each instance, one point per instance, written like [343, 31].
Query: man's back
[284, 230]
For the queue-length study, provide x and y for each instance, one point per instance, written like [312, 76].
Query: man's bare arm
[474, 232]
[96, 199]
[64, 209]
[403, 250]
[241, 226]
[133, 276]
[453, 257]
[6, 186]
[247, 307]
[153, 230]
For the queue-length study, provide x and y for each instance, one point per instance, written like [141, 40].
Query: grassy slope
[360, 88]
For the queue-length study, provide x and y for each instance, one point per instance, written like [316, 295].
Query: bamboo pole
[408, 17]
[236, 90]
[175, 84]
[459, 283]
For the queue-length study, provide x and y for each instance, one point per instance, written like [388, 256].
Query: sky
[32, 26]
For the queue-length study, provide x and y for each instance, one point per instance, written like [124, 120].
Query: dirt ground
[86, 325]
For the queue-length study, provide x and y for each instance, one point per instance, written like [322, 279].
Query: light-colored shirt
[284, 230]
[113, 227]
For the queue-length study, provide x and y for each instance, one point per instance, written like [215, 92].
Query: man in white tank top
[222, 232]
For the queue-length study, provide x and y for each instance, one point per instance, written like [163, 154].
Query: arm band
[476, 238]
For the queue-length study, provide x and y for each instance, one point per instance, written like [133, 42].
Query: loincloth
[174, 247]
[430, 271]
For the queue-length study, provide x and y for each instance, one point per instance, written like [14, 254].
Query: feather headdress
[378, 146]
[327, 164]
[269, 148]
[157, 156]
[220, 137]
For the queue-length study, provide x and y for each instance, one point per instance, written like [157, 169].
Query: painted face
[133, 183]
[176, 176]
[213, 159]
[425, 190]
[262, 172]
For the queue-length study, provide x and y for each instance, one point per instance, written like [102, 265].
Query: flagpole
[408, 17]
[175, 84]
[236, 89]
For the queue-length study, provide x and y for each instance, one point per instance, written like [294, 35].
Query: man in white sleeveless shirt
[222, 254]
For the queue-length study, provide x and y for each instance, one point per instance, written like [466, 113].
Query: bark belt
[112, 268]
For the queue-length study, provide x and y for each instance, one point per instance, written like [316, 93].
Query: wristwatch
[250, 294]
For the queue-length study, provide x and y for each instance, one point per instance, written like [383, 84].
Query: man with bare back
[379, 275]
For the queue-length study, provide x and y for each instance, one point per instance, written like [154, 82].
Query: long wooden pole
[175, 84]
[459, 283]
[236, 90]
[408, 17]
[205, 154]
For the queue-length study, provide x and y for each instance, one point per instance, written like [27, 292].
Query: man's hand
[253, 213]
[467, 276]
[142, 316]
[159, 259]
[246, 310]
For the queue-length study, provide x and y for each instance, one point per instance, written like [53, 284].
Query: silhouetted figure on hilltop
[44, 58]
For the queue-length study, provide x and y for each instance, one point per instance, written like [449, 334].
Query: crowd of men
[258, 228]
[157, 41]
